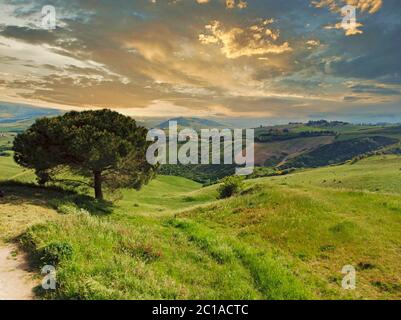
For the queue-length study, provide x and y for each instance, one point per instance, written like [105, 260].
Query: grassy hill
[284, 237]
[11, 112]
[381, 174]
[18, 117]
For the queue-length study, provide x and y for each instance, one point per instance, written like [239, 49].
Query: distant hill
[11, 113]
[339, 151]
[195, 123]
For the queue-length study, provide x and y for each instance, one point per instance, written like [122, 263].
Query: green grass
[376, 174]
[315, 232]
[284, 237]
[139, 259]
[10, 171]
[165, 194]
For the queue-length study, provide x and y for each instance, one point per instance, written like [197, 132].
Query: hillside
[320, 143]
[381, 174]
[18, 117]
[280, 152]
[285, 237]
[10, 112]
[339, 151]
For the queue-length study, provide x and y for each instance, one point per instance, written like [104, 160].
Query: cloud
[157, 57]
[339, 6]
[240, 4]
[374, 89]
[256, 40]
[350, 30]
[230, 4]
[370, 6]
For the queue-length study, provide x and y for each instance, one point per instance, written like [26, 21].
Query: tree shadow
[57, 198]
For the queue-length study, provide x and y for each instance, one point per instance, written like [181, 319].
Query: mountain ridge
[192, 122]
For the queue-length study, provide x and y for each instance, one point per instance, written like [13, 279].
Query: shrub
[231, 185]
[55, 252]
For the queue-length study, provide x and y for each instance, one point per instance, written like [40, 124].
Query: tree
[104, 145]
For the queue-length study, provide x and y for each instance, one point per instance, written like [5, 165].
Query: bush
[55, 252]
[231, 185]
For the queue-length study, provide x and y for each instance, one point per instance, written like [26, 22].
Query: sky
[231, 59]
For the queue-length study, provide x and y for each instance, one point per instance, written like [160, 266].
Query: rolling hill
[10, 113]
[284, 237]
[339, 151]
[18, 117]
[315, 144]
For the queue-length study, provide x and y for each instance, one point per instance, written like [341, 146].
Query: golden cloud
[230, 4]
[256, 40]
[369, 6]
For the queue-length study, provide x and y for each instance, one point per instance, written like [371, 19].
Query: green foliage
[205, 174]
[56, 252]
[230, 186]
[103, 144]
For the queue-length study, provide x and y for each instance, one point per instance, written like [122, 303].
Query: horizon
[235, 122]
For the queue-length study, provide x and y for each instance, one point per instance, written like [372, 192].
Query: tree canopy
[105, 145]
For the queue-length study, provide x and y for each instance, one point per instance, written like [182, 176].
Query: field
[277, 153]
[284, 237]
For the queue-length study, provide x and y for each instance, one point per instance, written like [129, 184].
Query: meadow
[284, 237]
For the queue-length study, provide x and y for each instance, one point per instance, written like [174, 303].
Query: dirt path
[16, 282]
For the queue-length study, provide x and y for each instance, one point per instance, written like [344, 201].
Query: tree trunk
[98, 185]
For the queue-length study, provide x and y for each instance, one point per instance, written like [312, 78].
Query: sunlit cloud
[362, 6]
[201, 57]
[256, 40]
